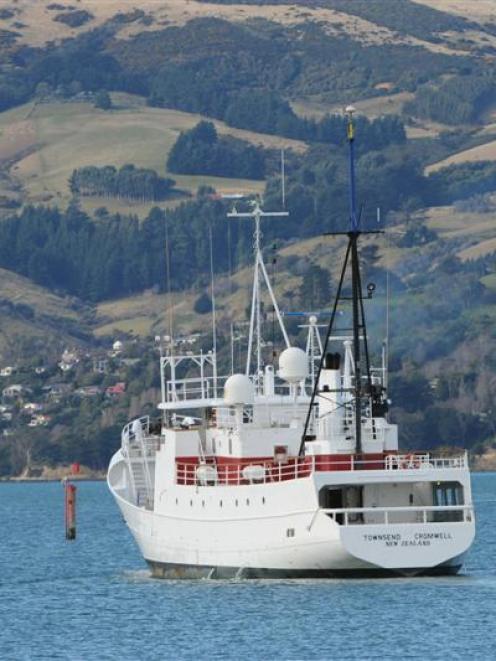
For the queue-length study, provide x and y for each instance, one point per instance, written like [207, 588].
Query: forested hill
[120, 132]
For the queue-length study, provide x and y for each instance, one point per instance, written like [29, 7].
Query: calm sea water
[93, 599]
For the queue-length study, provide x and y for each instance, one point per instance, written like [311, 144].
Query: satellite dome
[293, 365]
[238, 389]
[117, 346]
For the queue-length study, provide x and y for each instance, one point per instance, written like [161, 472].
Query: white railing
[206, 387]
[139, 448]
[425, 461]
[390, 515]
[300, 467]
[263, 472]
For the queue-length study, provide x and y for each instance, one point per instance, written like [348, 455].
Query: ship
[289, 470]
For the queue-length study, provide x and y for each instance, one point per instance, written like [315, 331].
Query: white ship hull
[250, 532]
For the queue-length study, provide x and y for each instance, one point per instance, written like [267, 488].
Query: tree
[315, 290]
[203, 304]
[103, 100]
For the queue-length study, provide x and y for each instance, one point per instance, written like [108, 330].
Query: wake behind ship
[293, 472]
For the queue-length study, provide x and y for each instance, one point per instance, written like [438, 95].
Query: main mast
[355, 282]
[359, 330]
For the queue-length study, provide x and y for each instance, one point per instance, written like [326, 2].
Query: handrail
[355, 515]
[264, 471]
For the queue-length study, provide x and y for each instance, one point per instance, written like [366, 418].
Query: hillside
[89, 87]
[37, 23]
[44, 143]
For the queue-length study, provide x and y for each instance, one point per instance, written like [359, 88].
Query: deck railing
[213, 473]
[412, 514]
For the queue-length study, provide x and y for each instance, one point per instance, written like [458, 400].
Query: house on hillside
[117, 349]
[68, 360]
[117, 390]
[57, 391]
[39, 420]
[7, 371]
[100, 364]
[16, 391]
[88, 391]
[32, 407]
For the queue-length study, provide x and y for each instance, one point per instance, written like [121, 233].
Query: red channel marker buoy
[70, 505]
[70, 510]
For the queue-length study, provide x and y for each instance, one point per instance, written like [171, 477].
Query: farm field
[49, 140]
[484, 152]
[482, 10]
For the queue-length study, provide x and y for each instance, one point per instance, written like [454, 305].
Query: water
[93, 599]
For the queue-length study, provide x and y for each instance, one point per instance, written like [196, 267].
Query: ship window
[290, 532]
[263, 500]
[220, 503]
[191, 503]
[247, 501]
[230, 446]
[236, 502]
[447, 494]
[177, 502]
[203, 503]
[213, 446]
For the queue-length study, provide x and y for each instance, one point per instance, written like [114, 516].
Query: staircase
[139, 481]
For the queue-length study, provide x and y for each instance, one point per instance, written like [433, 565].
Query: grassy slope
[63, 136]
[52, 313]
[484, 152]
[39, 26]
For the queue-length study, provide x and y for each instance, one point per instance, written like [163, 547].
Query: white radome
[293, 365]
[238, 390]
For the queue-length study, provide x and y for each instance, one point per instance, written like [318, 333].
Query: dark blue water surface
[93, 599]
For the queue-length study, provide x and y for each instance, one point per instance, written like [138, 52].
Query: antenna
[214, 320]
[349, 110]
[260, 272]
[283, 180]
[168, 281]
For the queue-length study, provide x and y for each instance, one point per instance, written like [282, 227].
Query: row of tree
[127, 182]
